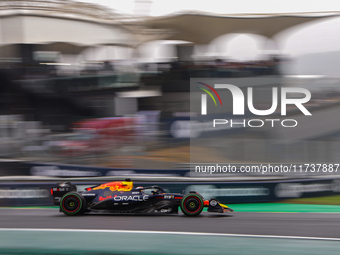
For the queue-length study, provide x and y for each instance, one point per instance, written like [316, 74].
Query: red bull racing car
[122, 197]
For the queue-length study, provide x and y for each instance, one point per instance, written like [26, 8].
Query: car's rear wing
[61, 190]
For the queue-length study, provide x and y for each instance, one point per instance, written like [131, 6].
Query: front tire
[72, 203]
[192, 204]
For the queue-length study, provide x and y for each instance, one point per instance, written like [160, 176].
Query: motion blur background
[82, 83]
[97, 91]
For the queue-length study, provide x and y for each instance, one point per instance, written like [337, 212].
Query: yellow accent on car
[223, 206]
[116, 186]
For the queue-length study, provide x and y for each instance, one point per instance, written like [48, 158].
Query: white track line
[165, 233]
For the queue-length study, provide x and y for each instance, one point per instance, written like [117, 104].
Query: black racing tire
[72, 203]
[192, 204]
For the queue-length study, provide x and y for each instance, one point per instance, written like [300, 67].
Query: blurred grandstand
[69, 62]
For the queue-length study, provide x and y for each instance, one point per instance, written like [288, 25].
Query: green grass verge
[330, 200]
[252, 207]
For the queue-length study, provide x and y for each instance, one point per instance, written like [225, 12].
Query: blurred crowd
[216, 68]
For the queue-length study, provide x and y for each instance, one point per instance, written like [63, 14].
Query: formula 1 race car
[121, 197]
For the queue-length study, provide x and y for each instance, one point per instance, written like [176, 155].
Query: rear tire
[72, 203]
[192, 204]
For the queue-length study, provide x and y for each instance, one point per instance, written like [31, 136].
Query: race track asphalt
[325, 225]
